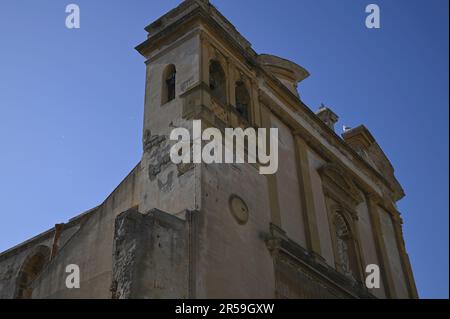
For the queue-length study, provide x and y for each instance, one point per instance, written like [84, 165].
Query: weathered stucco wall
[326, 245]
[166, 186]
[151, 257]
[393, 254]
[292, 218]
[87, 243]
[368, 247]
[234, 261]
[11, 264]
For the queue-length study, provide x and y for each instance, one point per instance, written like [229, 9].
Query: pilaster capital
[374, 198]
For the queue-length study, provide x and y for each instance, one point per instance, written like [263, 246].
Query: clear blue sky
[71, 101]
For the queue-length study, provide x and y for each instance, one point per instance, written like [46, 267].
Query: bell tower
[173, 65]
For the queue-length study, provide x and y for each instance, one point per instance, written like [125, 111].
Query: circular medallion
[239, 209]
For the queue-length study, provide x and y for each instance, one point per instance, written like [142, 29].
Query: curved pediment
[339, 184]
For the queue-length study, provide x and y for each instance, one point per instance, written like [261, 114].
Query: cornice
[283, 249]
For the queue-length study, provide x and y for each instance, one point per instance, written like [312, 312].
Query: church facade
[224, 230]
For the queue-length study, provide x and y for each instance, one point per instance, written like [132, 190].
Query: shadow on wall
[31, 268]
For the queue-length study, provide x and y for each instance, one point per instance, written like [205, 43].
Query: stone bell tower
[197, 69]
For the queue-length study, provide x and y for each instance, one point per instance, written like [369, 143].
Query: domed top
[288, 72]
